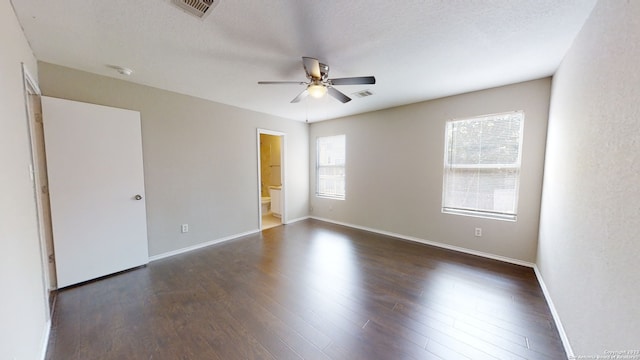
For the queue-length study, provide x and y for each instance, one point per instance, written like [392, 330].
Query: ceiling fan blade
[354, 80]
[338, 95]
[311, 67]
[281, 82]
[300, 96]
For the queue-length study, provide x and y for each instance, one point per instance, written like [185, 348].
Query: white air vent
[363, 93]
[199, 8]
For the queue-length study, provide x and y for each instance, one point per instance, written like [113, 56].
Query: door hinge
[38, 118]
[52, 259]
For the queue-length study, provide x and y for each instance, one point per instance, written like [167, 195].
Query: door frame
[283, 166]
[31, 88]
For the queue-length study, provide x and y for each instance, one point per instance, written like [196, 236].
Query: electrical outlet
[184, 228]
[478, 232]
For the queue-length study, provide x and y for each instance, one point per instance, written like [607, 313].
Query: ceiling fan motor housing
[324, 71]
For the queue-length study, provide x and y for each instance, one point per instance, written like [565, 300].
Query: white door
[96, 187]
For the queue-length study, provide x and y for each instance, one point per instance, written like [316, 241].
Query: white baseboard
[554, 313]
[46, 332]
[213, 242]
[201, 245]
[296, 220]
[432, 243]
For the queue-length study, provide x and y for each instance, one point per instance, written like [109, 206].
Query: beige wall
[200, 157]
[589, 252]
[395, 166]
[23, 302]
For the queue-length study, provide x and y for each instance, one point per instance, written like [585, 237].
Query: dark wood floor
[309, 290]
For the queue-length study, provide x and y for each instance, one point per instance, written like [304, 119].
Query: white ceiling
[416, 49]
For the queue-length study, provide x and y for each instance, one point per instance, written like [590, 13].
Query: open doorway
[271, 189]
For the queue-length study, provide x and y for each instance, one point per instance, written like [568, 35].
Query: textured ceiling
[417, 49]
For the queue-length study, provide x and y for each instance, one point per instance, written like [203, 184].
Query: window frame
[477, 212]
[326, 195]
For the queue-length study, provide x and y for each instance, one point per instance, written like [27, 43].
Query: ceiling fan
[319, 83]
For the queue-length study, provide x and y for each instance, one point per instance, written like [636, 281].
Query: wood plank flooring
[309, 290]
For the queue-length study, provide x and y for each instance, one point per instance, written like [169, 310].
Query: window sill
[330, 197]
[481, 214]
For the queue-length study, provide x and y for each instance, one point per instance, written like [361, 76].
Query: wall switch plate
[478, 232]
[184, 228]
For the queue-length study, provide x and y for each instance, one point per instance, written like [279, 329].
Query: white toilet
[265, 204]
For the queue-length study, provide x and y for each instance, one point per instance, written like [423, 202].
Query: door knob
[138, 197]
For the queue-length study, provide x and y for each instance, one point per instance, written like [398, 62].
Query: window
[330, 166]
[482, 165]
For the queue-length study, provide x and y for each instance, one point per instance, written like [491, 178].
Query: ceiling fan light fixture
[317, 90]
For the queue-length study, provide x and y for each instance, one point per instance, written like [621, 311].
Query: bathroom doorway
[271, 190]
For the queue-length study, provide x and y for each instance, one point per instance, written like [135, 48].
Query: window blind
[330, 166]
[482, 165]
